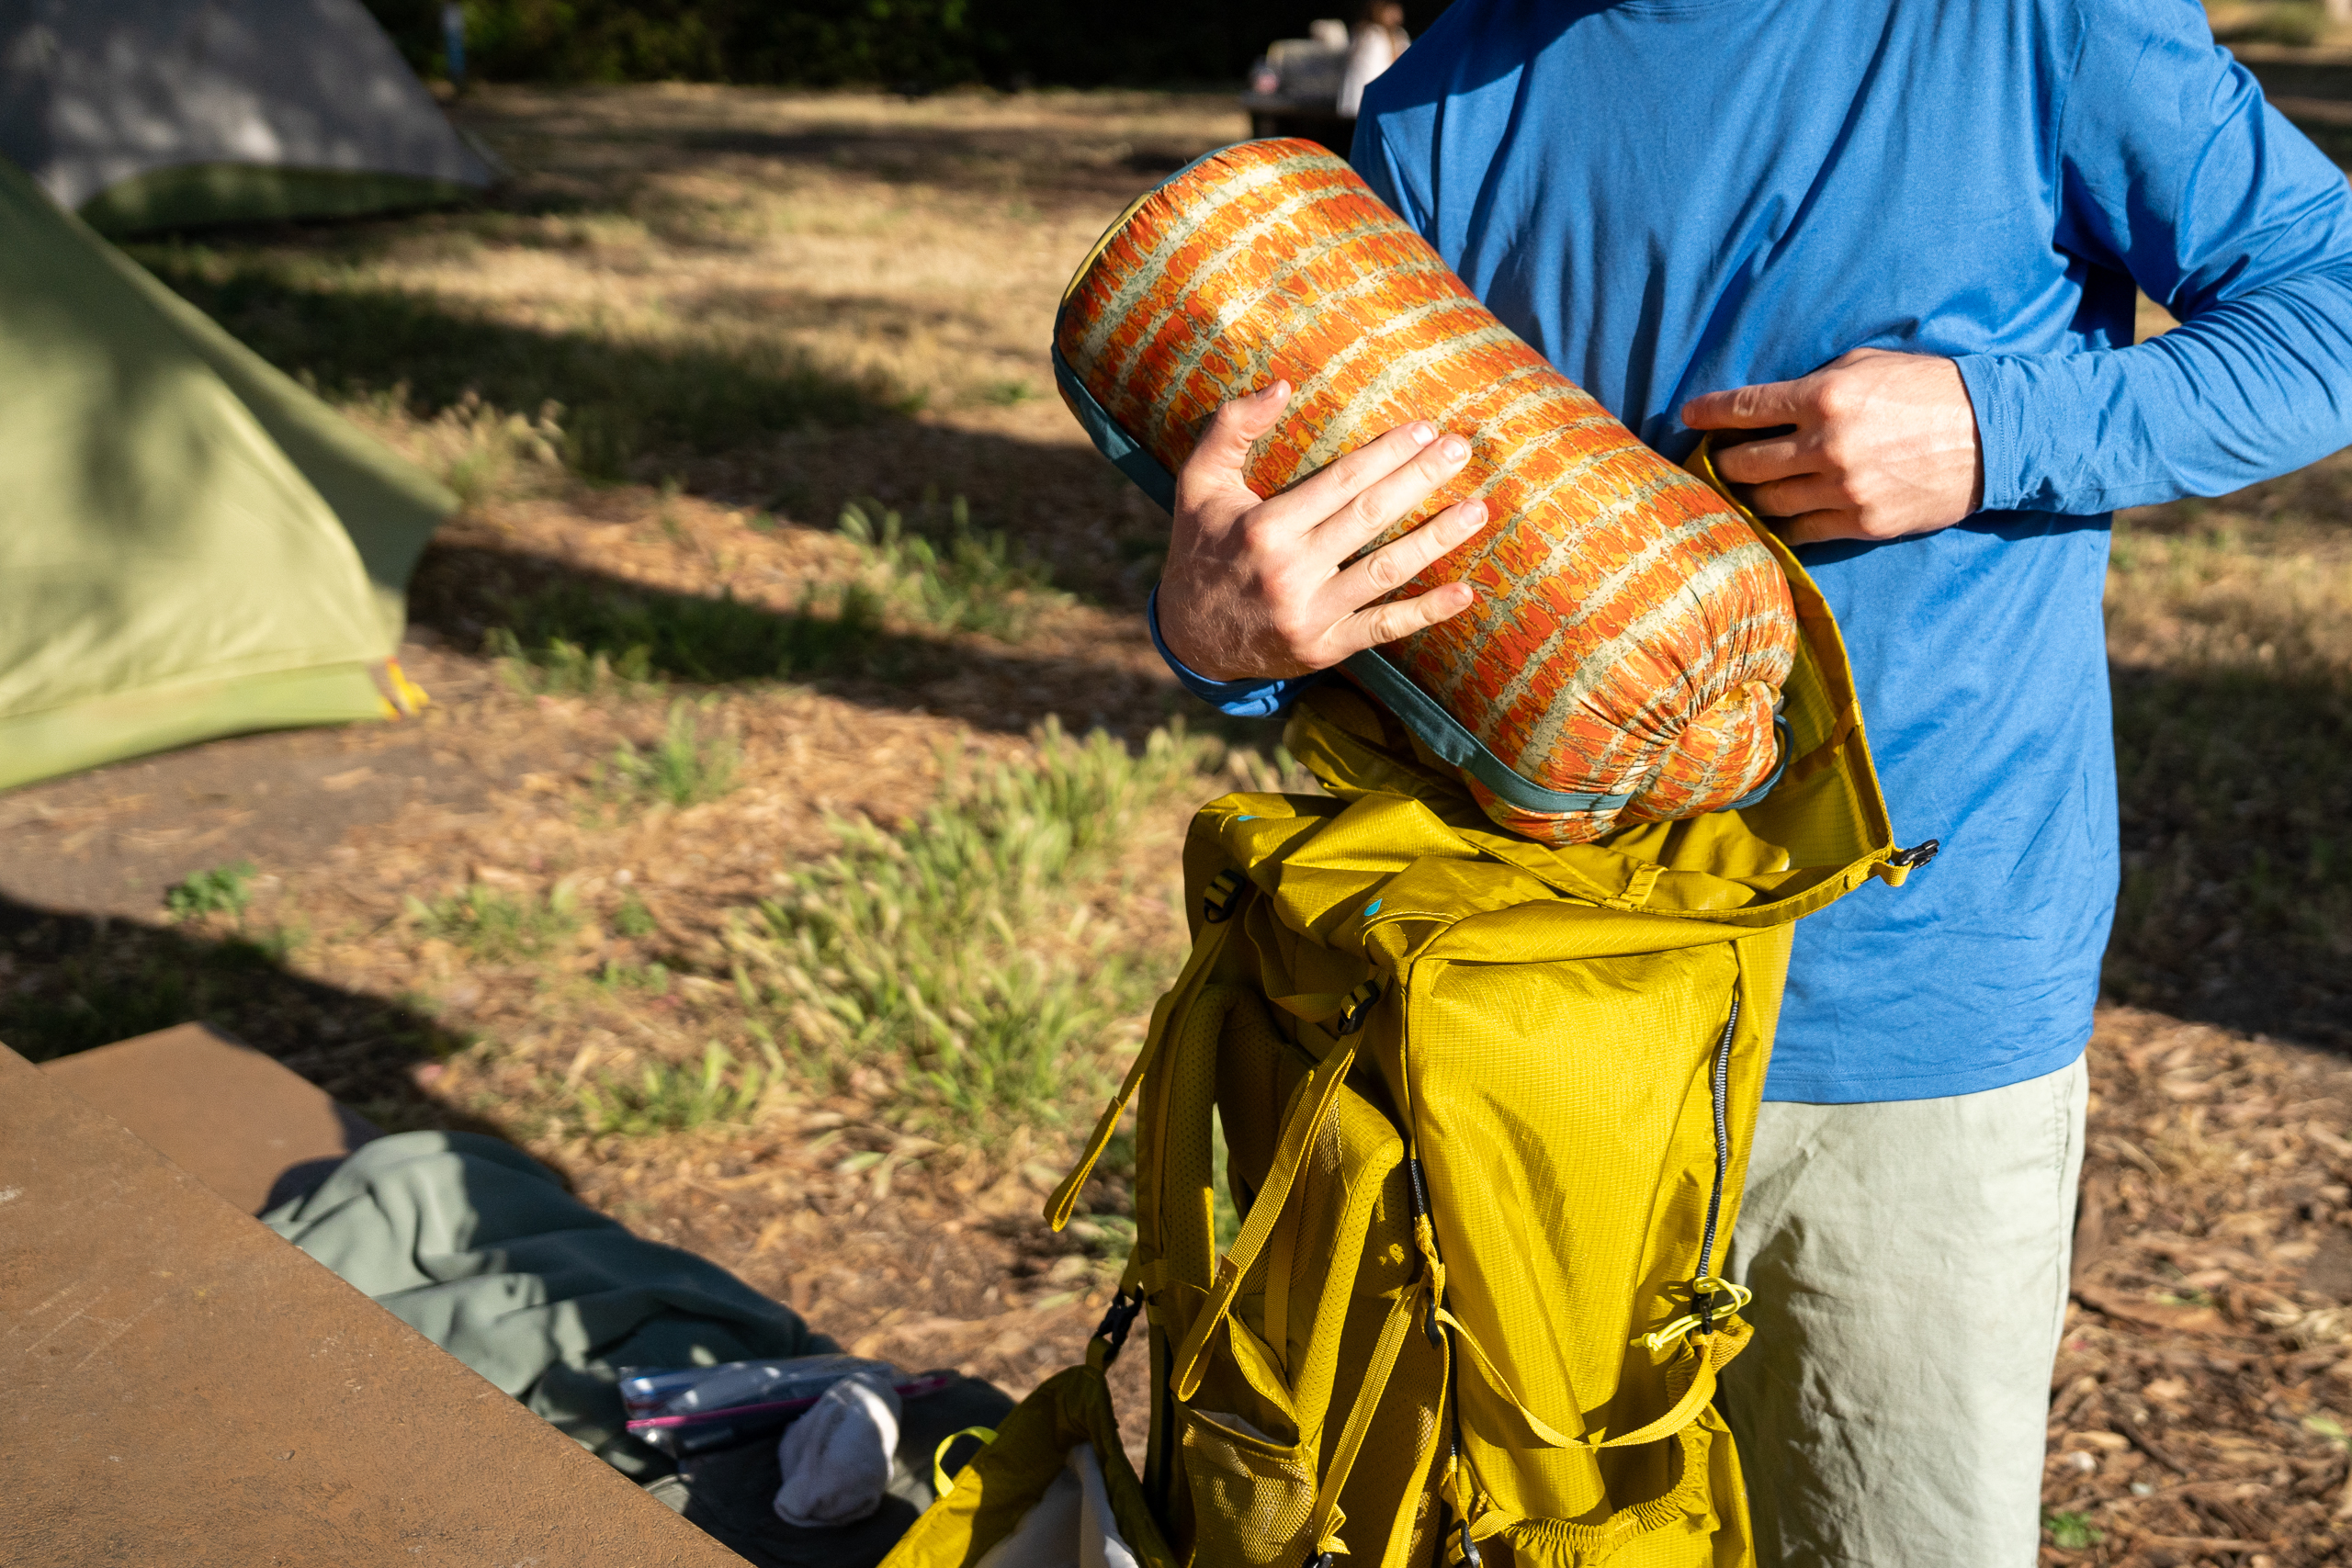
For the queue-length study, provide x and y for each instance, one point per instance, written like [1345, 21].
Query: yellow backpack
[1486, 1104]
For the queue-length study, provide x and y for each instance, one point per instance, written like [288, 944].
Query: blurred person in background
[453, 42]
[1379, 37]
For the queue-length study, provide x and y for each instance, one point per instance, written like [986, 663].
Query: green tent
[190, 544]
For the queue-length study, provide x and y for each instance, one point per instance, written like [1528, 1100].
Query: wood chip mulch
[2199, 1405]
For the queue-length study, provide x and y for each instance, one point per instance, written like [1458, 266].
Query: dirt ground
[858, 290]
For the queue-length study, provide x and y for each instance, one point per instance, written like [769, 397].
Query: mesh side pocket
[1250, 1496]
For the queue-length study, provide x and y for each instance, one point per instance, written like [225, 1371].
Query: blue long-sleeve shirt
[1670, 198]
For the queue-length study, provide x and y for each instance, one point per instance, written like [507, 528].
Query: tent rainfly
[190, 544]
[159, 114]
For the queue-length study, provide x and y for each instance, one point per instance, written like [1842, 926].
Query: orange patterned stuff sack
[1623, 660]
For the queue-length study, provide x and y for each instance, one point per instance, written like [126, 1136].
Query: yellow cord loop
[1467, 1508]
[942, 1483]
[1705, 1285]
[1433, 1275]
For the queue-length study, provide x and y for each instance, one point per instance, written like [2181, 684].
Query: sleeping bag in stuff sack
[1624, 656]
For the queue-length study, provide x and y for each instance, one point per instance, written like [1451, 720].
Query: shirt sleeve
[1238, 699]
[2174, 171]
[1375, 163]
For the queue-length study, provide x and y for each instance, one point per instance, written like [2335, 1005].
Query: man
[1900, 239]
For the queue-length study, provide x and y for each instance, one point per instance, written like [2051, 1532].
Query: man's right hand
[1256, 589]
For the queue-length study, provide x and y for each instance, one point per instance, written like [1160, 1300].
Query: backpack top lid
[1631, 637]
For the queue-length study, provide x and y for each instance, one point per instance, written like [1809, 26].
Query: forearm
[2245, 389]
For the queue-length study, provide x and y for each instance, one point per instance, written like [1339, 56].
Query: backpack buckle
[1917, 855]
[1357, 1008]
[1224, 893]
[1112, 1329]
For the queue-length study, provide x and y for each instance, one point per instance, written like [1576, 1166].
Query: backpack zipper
[1417, 1191]
[1719, 1084]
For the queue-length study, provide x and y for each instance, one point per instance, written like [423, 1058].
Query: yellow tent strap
[404, 698]
[942, 1483]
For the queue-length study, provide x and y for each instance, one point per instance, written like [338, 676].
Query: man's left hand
[1885, 444]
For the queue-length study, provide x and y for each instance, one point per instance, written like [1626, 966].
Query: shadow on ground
[2236, 805]
[469, 593]
[620, 400]
[70, 982]
[732, 415]
[1044, 162]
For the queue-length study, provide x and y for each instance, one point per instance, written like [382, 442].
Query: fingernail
[1275, 390]
[1454, 450]
[1423, 435]
[1472, 518]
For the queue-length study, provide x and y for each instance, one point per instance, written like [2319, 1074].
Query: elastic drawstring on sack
[1703, 1291]
[1425, 1238]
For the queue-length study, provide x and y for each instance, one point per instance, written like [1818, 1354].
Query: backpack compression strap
[1311, 1103]
[1223, 893]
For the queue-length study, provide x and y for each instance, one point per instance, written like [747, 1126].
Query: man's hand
[1885, 444]
[1256, 589]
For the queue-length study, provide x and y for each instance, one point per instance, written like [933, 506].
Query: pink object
[912, 1388]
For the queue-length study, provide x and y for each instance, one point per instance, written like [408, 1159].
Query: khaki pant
[1909, 1264]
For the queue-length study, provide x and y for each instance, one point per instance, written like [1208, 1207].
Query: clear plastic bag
[690, 1410]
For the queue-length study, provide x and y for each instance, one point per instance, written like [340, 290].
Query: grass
[684, 768]
[224, 890]
[652, 979]
[667, 1098]
[569, 638]
[2071, 1531]
[971, 582]
[479, 451]
[952, 955]
[632, 919]
[630, 387]
[1010, 393]
[492, 926]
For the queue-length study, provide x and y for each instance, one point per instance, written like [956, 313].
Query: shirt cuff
[1236, 699]
[1995, 392]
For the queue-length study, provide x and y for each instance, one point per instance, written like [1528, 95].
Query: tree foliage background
[898, 43]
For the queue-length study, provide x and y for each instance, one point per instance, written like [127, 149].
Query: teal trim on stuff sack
[1450, 739]
[1114, 441]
